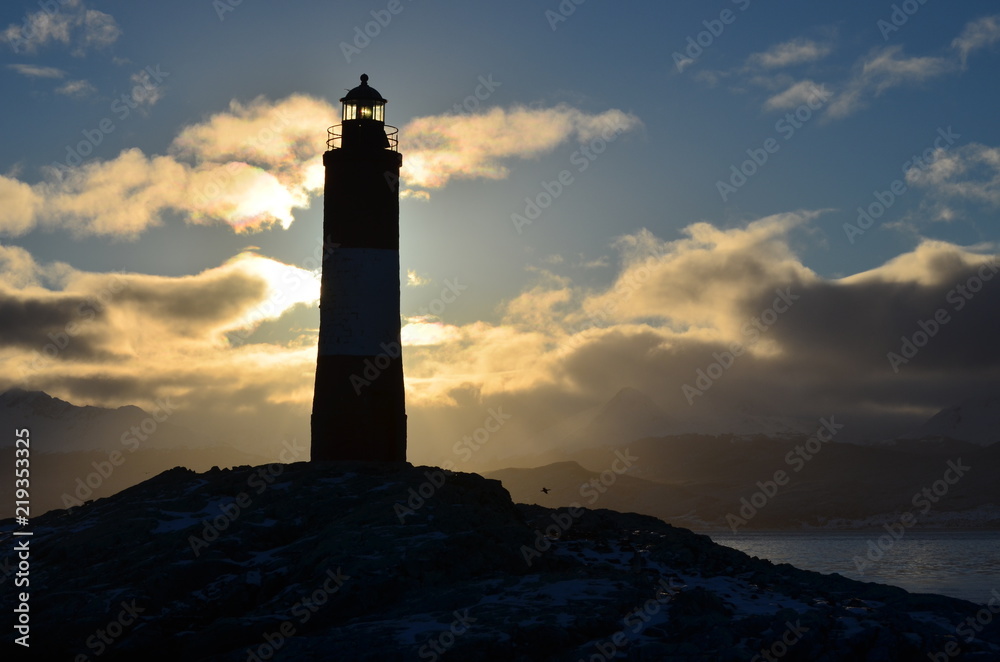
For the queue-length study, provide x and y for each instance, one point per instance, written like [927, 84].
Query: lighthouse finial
[364, 79]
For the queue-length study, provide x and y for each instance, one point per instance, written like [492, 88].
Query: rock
[358, 561]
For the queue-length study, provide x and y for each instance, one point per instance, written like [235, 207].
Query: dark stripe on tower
[358, 407]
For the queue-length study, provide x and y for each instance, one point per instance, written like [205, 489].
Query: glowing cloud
[71, 24]
[254, 165]
[474, 146]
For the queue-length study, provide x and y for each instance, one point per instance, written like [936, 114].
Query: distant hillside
[58, 426]
[570, 483]
[975, 421]
[81, 453]
[61, 480]
[699, 480]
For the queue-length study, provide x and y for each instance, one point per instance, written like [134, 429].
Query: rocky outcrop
[364, 562]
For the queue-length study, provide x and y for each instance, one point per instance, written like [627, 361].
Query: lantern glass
[361, 110]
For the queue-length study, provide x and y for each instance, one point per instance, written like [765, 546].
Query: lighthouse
[359, 410]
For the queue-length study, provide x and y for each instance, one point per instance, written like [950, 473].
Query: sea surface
[962, 564]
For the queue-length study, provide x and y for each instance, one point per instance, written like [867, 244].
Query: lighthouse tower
[358, 405]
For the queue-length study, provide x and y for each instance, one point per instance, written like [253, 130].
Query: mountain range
[697, 480]
[79, 453]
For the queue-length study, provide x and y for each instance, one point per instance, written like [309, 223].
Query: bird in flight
[546, 490]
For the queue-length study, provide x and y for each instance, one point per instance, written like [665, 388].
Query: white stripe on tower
[359, 316]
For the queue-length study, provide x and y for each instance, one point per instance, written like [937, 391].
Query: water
[961, 564]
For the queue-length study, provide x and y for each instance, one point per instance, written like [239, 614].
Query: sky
[781, 209]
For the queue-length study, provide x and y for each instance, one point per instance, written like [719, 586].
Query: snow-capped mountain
[976, 420]
[59, 426]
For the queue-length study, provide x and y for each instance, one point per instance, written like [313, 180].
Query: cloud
[977, 34]
[668, 296]
[35, 71]
[28, 318]
[796, 95]
[808, 345]
[874, 74]
[796, 51]
[145, 93]
[18, 267]
[423, 331]
[249, 167]
[76, 88]
[284, 137]
[120, 319]
[413, 279]
[99, 30]
[253, 165]
[970, 172]
[129, 338]
[883, 70]
[887, 67]
[21, 206]
[72, 25]
[476, 146]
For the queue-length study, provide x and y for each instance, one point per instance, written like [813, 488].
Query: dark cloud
[66, 323]
[195, 302]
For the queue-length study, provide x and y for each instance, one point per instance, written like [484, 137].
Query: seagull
[546, 490]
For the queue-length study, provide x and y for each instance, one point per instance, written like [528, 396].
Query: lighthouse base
[359, 410]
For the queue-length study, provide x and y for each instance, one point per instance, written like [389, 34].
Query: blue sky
[873, 85]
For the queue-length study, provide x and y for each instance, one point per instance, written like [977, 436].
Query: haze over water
[961, 564]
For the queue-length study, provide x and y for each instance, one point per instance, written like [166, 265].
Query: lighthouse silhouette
[359, 410]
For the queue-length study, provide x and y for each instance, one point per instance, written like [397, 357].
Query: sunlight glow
[288, 285]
